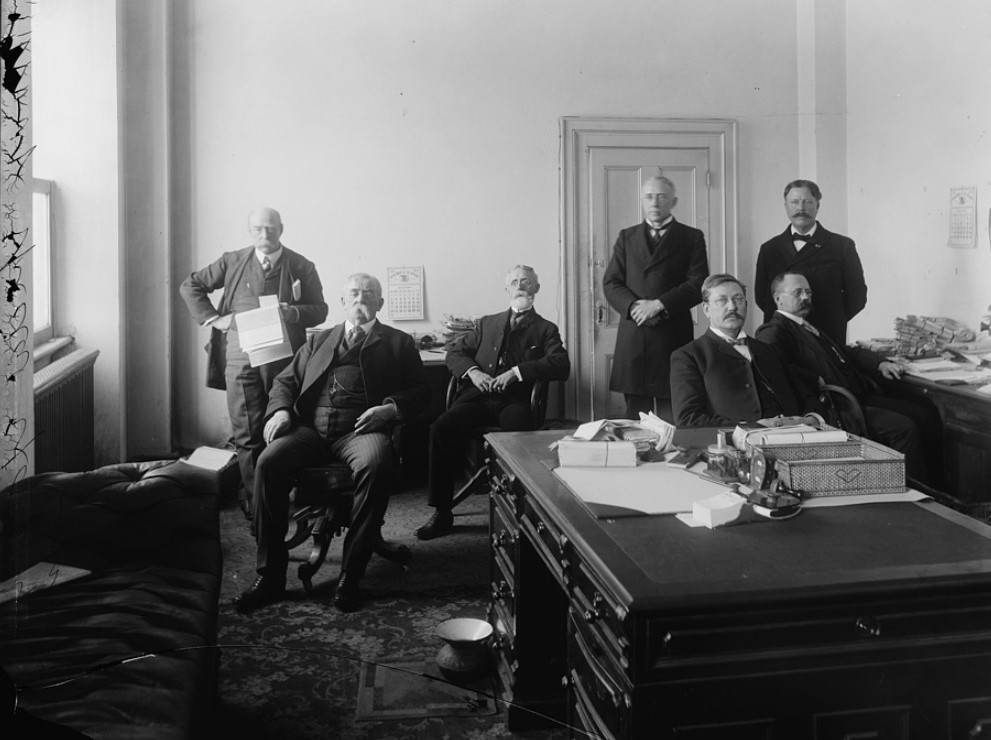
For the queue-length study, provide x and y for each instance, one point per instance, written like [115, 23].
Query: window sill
[45, 352]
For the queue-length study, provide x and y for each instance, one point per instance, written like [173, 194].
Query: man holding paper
[725, 377]
[815, 358]
[247, 276]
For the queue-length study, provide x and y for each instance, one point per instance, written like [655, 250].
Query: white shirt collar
[367, 326]
[664, 224]
[723, 335]
[797, 319]
[811, 232]
[273, 258]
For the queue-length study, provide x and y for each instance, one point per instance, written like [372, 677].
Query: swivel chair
[323, 498]
[842, 410]
[474, 465]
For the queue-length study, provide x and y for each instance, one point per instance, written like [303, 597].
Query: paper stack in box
[718, 510]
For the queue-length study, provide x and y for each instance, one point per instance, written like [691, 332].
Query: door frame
[576, 295]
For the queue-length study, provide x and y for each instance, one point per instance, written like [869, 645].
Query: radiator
[63, 414]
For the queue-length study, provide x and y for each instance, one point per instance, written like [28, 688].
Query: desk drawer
[828, 631]
[596, 684]
[601, 613]
[550, 543]
[505, 487]
[503, 536]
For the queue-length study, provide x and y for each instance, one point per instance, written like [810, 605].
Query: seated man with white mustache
[336, 400]
[502, 357]
[725, 377]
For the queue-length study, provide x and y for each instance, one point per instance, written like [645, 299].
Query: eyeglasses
[723, 301]
[521, 283]
[800, 292]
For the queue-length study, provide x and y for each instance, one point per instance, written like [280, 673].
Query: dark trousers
[910, 428]
[660, 406]
[370, 458]
[247, 399]
[453, 433]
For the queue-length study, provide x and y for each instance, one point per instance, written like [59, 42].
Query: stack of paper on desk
[262, 334]
[596, 453]
[744, 438]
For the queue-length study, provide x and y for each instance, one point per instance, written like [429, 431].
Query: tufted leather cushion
[129, 650]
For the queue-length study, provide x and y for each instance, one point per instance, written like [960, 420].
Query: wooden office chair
[323, 498]
[842, 410]
[474, 467]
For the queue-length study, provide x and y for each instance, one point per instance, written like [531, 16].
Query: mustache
[732, 315]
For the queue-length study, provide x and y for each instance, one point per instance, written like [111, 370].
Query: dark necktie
[516, 319]
[355, 337]
[801, 237]
[266, 265]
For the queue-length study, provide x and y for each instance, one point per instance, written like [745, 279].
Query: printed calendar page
[405, 291]
[963, 218]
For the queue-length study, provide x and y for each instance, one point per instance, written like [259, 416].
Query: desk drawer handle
[868, 626]
[501, 590]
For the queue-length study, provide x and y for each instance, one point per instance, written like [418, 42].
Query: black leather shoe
[262, 592]
[346, 597]
[438, 525]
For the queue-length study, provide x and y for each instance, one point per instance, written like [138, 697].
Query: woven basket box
[856, 467]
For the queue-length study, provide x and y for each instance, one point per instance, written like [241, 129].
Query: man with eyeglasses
[498, 362]
[652, 282]
[337, 400]
[725, 377]
[814, 358]
[829, 261]
[264, 268]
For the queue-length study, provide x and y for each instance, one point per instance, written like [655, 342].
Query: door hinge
[708, 179]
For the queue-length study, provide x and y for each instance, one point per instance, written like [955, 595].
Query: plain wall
[74, 101]
[918, 124]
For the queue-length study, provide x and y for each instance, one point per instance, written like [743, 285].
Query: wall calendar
[963, 218]
[405, 291]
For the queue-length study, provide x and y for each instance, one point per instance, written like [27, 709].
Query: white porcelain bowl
[464, 630]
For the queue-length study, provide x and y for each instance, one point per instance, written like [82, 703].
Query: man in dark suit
[337, 399]
[814, 358]
[501, 357]
[653, 281]
[829, 261]
[725, 377]
[265, 268]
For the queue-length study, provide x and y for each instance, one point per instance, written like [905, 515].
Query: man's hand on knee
[276, 426]
[376, 418]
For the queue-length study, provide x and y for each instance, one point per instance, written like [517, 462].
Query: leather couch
[129, 650]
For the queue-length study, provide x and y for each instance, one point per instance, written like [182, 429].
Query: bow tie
[738, 342]
[801, 237]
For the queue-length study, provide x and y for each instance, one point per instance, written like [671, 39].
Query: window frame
[46, 332]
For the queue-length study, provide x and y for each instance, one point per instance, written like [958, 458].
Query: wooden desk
[861, 621]
[966, 416]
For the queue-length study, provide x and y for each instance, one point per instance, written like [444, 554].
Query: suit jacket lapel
[322, 358]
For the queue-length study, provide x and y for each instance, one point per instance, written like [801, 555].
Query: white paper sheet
[652, 488]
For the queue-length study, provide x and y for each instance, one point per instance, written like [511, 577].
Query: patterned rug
[293, 670]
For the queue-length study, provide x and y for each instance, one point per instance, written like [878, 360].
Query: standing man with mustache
[337, 400]
[501, 357]
[264, 268]
[725, 377]
[814, 358]
[653, 281]
[829, 261]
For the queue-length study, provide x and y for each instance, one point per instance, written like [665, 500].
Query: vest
[342, 398]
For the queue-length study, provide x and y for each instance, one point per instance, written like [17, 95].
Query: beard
[522, 302]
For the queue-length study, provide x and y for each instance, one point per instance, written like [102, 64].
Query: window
[41, 252]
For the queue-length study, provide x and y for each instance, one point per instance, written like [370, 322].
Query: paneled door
[605, 161]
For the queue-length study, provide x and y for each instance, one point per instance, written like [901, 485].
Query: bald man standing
[264, 268]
